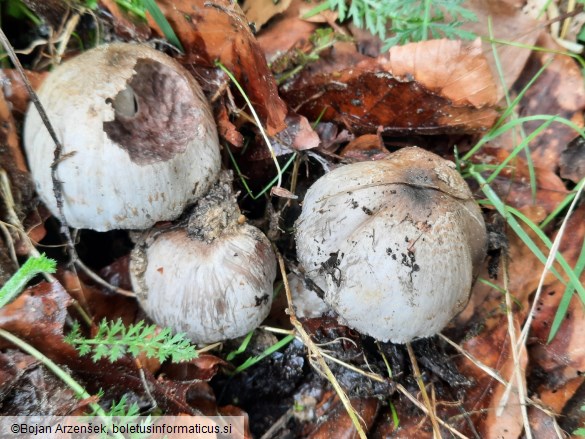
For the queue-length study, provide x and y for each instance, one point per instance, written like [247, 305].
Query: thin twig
[12, 218]
[90, 273]
[57, 189]
[423, 391]
[516, 355]
[66, 36]
[424, 409]
[550, 260]
[372, 376]
[496, 376]
[316, 353]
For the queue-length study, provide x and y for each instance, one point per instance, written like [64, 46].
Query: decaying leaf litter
[492, 373]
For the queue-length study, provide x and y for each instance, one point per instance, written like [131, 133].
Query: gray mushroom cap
[395, 244]
[139, 140]
[212, 278]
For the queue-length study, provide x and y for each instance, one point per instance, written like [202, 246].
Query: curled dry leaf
[437, 86]
[12, 161]
[366, 147]
[204, 367]
[33, 389]
[287, 31]
[508, 23]
[38, 316]
[259, 12]
[126, 25]
[220, 31]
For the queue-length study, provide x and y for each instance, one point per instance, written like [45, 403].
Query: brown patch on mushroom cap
[155, 114]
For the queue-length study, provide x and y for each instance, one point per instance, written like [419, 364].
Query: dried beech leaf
[287, 31]
[366, 147]
[204, 367]
[333, 420]
[513, 183]
[508, 23]
[260, 11]
[38, 316]
[563, 359]
[226, 128]
[492, 346]
[14, 90]
[211, 31]
[12, 160]
[33, 389]
[408, 90]
[449, 68]
[220, 31]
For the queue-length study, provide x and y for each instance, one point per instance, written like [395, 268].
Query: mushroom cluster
[140, 146]
[395, 244]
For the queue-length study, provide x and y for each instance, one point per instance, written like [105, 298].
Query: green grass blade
[253, 360]
[506, 212]
[162, 22]
[566, 299]
[31, 268]
[270, 184]
[562, 205]
[241, 348]
[519, 148]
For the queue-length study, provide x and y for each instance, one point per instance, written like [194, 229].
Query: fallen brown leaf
[513, 183]
[333, 420]
[220, 31]
[260, 11]
[366, 147]
[508, 24]
[558, 91]
[432, 87]
[14, 90]
[285, 32]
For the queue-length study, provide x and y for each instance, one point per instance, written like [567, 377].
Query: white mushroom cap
[212, 280]
[395, 244]
[139, 140]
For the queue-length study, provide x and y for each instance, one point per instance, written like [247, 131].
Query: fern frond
[113, 340]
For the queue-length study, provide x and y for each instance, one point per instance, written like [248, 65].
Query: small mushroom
[211, 278]
[139, 140]
[395, 244]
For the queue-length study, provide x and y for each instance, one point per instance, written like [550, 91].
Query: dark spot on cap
[261, 300]
[156, 116]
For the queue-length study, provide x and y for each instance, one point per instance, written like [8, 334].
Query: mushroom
[308, 305]
[210, 278]
[395, 244]
[139, 140]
